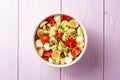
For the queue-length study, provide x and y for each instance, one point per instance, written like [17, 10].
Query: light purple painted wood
[8, 39]
[90, 13]
[31, 67]
[112, 40]
[28, 66]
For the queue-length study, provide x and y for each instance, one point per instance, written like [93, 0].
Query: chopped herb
[54, 62]
[75, 34]
[66, 25]
[57, 44]
[62, 41]
[60, 27]
[43, 34]
[66, 33]
[66, 37]
[66, 49]
[54, 49]
[47, 27]
[78, 43]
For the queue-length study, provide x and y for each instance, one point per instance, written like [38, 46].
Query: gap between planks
[60, 11]
[18, 45]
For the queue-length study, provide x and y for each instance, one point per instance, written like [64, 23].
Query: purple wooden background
[18, 60]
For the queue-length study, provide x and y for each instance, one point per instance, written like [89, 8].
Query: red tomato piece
[59, 36]
[44, 38]
[66, 18]
[76, 51]
[51, 20]
[47, 53]
[71, 42]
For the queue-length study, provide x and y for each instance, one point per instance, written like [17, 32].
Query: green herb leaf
[66, 49]
[43, 34]
[54, 62]
[57, 44]
[62, 41]
[55, 49]
[78, 43]
[75, 34]
[66, 33]
[47, 27]
[60, 27]
[66, 25]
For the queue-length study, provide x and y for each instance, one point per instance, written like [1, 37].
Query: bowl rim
[81, 54]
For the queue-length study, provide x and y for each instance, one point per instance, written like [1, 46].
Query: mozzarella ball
[47, 46]
[70, 55]
[57, 18]
[68, 60]
[39, 43]
[79, 39]
[50, 60]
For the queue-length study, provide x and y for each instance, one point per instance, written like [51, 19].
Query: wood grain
[112, 40]
[8, 39]
[19, 18]
[90, 13]
[31, 67]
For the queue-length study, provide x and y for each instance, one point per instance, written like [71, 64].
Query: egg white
[64, 24]
[79, 31]
[75, 23]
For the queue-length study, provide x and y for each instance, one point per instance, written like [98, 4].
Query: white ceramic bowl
[81, 54]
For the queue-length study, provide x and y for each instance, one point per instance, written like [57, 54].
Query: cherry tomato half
[47, 53]
[75, 51]
[44, 38]
[71, 42]
[59, 36]
[51, 20]
[66, 18]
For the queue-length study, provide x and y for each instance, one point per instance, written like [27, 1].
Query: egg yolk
[81, 31]
[72, 24]
[55, 54]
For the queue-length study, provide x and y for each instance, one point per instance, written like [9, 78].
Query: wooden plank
[112, 40]
[31, 67]
[90, 13]
[8, 39]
